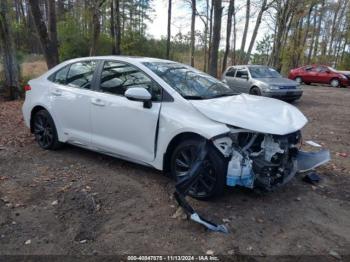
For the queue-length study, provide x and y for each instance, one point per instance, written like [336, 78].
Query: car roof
[122, 58]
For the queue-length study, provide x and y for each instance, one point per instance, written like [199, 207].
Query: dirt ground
[73, 201]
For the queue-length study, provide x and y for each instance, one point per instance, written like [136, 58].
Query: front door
[119, 125]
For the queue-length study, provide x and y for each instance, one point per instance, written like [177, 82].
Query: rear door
[230, 78]
[242, 82]
[323, 75]
[70, 97]
[119, 125]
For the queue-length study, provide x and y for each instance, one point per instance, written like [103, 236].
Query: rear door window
[243, 73]
[80, 74]
[231, 72]
[60, 76]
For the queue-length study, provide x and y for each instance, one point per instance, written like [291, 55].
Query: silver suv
[262, 81]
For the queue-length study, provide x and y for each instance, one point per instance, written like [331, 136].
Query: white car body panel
[125, 128]
[256, 113]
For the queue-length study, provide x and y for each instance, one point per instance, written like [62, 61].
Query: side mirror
[140, 94]
[246, 77]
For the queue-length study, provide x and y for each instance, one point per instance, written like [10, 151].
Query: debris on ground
[335, 254]
[312, 178]
[183, 186]
[209, 252]
[342, 154]
[28, 242]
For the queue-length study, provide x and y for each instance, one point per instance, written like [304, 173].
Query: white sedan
[156, 112]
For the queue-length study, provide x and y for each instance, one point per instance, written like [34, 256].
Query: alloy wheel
[335, 83]
[43, 131]
[184, 160]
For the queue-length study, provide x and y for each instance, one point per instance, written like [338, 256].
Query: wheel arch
[172, 145]
[34, 110]
[335, 78]
[254, 86]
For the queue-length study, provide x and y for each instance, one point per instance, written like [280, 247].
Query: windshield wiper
[194, 97]
[225, 94]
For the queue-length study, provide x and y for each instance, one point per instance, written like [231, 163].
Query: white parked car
[156, 112]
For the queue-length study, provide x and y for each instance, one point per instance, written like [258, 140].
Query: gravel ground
[73, 201]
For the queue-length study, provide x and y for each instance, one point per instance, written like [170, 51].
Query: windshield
[189, 82]
[263, 72]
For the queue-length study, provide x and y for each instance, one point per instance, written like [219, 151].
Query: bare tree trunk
[245, 32]
[118, 32]
[312, 37]
[52, 26]
[169, 31]
[213, 64]
[231, 10]
[333, 29]
[206, 38]
[255, 32]
[210, 31]
[96, 28]
[11, 67]
[112, 27]
[318, 33]
[193, 27]
[48, 45]
[233, 59]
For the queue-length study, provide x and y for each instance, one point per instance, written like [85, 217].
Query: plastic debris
[184, 185]
[312, 143]
[312, 178]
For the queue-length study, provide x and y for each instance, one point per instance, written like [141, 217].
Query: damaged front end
[265, 161]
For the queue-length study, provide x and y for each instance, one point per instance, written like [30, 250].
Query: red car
[319, 74]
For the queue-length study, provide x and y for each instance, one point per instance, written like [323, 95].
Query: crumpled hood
[256, 113]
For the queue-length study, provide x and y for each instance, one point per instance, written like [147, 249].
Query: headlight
[343, 76]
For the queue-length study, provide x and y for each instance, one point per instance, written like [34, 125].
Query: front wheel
[212, 180]
[255, 91]
[45, 131]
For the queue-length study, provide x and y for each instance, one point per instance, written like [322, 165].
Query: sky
[181, 20]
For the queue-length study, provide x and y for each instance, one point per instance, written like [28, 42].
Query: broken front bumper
[304, 161]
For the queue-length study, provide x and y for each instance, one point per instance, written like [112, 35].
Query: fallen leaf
[210, 252]
[28, 242]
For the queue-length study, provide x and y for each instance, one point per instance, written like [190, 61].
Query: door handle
[97, 102]
[56, 92]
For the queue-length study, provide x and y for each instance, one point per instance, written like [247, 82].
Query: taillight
[27, 88]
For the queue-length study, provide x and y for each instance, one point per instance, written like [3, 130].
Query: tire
[335, 82]
[299, 80]
[45, 131]
[255, 91]
[212, 182]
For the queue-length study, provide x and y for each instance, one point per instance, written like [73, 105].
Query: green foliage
[72, 42]
[345, 63]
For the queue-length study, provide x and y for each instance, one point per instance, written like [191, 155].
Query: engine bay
[265, 161]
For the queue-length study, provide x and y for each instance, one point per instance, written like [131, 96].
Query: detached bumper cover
[310, 160]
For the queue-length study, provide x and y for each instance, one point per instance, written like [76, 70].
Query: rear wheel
[45, 131]
[255, 91]
[212, 180]
[335, 82]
